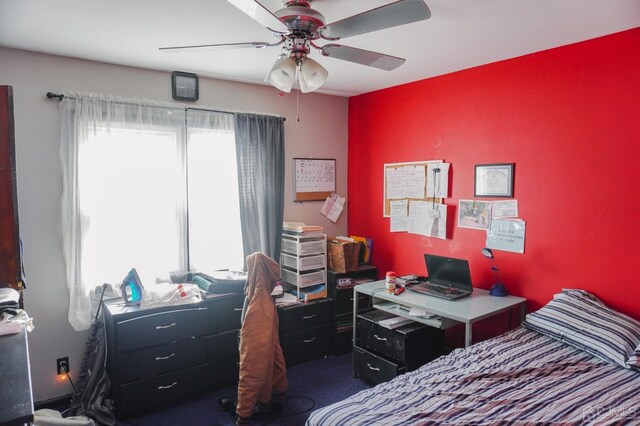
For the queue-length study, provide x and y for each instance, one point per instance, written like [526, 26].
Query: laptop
[449, 278]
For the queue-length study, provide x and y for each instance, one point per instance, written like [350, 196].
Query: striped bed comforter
[520, 378]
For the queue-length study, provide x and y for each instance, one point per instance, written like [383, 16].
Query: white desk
[479, 305]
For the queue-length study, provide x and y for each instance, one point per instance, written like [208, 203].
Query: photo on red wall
[474, 214]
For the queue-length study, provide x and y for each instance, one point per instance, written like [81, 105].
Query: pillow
[581, 320]
[634, 359]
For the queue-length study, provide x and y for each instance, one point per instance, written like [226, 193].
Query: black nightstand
[343, 306]
[382, 353]
[306, 330]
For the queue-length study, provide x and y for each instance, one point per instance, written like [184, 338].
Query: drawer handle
[309, 317]
[372, 368]
[309, 341]
[160, 327]
[383, 339]
[168, 386]
[161, 358]
[237, 309]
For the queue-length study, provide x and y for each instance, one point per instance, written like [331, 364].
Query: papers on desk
[287, 299]
[421, 313]
[395, 322]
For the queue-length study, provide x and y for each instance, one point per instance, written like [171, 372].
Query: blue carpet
[316, 383]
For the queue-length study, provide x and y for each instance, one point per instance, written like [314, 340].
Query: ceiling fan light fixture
[312, 75]
[283, 74]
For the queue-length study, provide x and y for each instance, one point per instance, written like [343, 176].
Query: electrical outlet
[63, 365]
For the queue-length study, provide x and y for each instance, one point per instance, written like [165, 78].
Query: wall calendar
[313, 178]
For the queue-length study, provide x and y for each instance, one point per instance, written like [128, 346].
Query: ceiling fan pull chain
[297, 105]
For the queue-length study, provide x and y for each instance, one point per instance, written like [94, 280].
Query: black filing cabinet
[340, 288]
[160, 355]
[381, 353]
[306, 330]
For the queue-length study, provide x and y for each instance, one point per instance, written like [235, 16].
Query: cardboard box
[342, 256]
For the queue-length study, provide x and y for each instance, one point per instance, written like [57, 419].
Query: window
[130, 197]
[215, 237]
[137, 195]
[156, 187]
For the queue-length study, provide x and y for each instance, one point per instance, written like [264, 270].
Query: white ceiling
[460, 34]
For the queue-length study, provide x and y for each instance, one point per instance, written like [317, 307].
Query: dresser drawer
[160, 390]
[307, 345]
[159, 328]
[306, 316]
[161, 359]
[373, 367]
[382, 340]
[224, 357]
[224, 313]
[344, 301]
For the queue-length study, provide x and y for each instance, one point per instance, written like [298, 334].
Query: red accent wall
[569, 118]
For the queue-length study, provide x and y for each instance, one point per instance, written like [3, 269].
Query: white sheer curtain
[215, 234]
[124, 193]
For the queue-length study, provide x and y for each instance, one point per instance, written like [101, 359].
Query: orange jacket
[262, 367]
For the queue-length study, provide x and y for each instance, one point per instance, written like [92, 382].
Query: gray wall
[321, 133]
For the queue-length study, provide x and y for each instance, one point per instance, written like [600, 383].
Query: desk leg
[353, 343]
[467, 334]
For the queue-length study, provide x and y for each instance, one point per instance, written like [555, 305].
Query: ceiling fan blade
[363, 57]
[387, 16]
[260, 14]
[218, 46]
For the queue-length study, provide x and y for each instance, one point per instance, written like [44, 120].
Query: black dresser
[15, 376]
[160, 355]
[306, 330]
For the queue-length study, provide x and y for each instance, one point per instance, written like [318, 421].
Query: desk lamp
[498, 287]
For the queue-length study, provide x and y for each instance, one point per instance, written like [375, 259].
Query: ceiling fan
[298, 26]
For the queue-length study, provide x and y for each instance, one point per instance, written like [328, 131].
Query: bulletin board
[387, 197]
[313, 178]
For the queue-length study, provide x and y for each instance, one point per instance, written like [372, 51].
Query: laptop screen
[448, 271]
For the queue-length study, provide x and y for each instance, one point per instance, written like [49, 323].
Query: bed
[572, 362]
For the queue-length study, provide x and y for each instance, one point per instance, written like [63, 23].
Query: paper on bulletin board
[399, 216]
[506, 235]
[428, 219]
[438, 173]
[405, 182]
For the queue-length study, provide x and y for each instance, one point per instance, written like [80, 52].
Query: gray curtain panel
[260, 154]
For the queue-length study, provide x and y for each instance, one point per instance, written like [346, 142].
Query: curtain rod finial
[51, 95]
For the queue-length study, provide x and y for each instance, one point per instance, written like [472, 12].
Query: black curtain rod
[59, 97]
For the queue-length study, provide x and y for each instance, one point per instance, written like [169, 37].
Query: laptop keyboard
[444, 290]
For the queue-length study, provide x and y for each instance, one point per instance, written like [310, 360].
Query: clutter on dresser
[11, 316]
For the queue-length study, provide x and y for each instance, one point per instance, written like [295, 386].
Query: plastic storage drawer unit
[303, 263]
[304, 247]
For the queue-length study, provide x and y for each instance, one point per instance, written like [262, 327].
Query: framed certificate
[494, 180]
